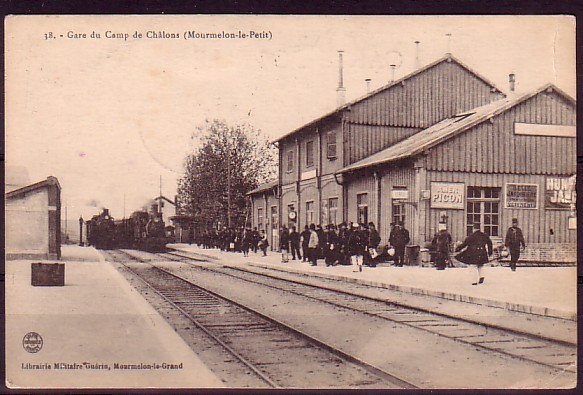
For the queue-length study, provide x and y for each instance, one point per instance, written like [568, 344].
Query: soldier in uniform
[478, 247]
[356, 246]
[440, 244]
[374, 239]
[305, 238]
[284, 241]
[294, 240]
[399, 238]
[514, 241]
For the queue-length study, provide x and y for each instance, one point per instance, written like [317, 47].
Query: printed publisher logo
[32, 342]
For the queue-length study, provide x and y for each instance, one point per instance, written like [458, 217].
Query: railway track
[279, 356]
[559, 356]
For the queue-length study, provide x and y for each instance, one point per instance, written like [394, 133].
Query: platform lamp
[81, 231]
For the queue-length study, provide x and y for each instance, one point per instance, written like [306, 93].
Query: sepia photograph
[290, 202]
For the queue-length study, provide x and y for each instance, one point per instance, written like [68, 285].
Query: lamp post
[81, 231]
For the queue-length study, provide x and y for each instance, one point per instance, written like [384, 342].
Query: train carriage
[142, 230]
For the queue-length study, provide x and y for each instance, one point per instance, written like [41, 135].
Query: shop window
[362, 208]
[309, 213]
[331, 145]
[310, 153]
[333, 211]
[290, 161]
[483, 207]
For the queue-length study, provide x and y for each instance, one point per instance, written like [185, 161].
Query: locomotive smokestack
[511, 82]
[340, 91]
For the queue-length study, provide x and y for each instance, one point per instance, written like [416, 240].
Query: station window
[274, 218]
[483, 207]
[310, 153]
[331, 145]
[260, 218]
[333, 211]
[362, 208]
[290, 161]
[398, 212]
[309, 213]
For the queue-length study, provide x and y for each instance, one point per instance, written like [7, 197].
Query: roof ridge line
[391, 84]
[504, 104]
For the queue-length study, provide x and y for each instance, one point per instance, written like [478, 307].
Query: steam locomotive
[142, 230]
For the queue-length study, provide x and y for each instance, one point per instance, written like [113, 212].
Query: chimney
[393, 67]
[448, 43]
[340, 91]
[511, 81]
[417, 59]
[367, 85]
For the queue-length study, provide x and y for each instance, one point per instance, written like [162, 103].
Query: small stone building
[33, 221]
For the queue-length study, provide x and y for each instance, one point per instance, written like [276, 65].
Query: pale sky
[109, 116]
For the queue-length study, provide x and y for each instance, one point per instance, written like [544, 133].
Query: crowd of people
[230, 239]
[360, 245]
[345, 244]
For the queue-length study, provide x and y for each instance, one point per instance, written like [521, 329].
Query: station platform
[544, 291]
[97, 332]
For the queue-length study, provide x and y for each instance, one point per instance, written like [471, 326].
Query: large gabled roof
[447, 129]
[447, 58]
[29, 188]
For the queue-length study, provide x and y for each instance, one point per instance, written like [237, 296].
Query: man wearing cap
[374, 240]
[514, 240]
[294, 241]
[356, 247]
[478, 247]
[399, 238]
[441, 242]
[313, 243]
[341, 253]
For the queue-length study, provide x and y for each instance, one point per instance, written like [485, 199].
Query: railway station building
[440, 145]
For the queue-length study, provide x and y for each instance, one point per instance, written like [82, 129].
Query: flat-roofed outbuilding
[33, 221]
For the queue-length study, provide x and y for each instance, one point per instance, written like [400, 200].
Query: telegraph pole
[228, 186]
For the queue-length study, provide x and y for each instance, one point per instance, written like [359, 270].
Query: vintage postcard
[261, 201]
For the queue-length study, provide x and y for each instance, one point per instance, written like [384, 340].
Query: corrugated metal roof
[447, 57]
[264, 187]
[446, 129]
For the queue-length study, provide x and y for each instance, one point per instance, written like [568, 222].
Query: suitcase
[48, 274]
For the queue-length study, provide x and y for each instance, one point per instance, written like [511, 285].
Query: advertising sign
[560, 193]
[521, 196]
[448, 195]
